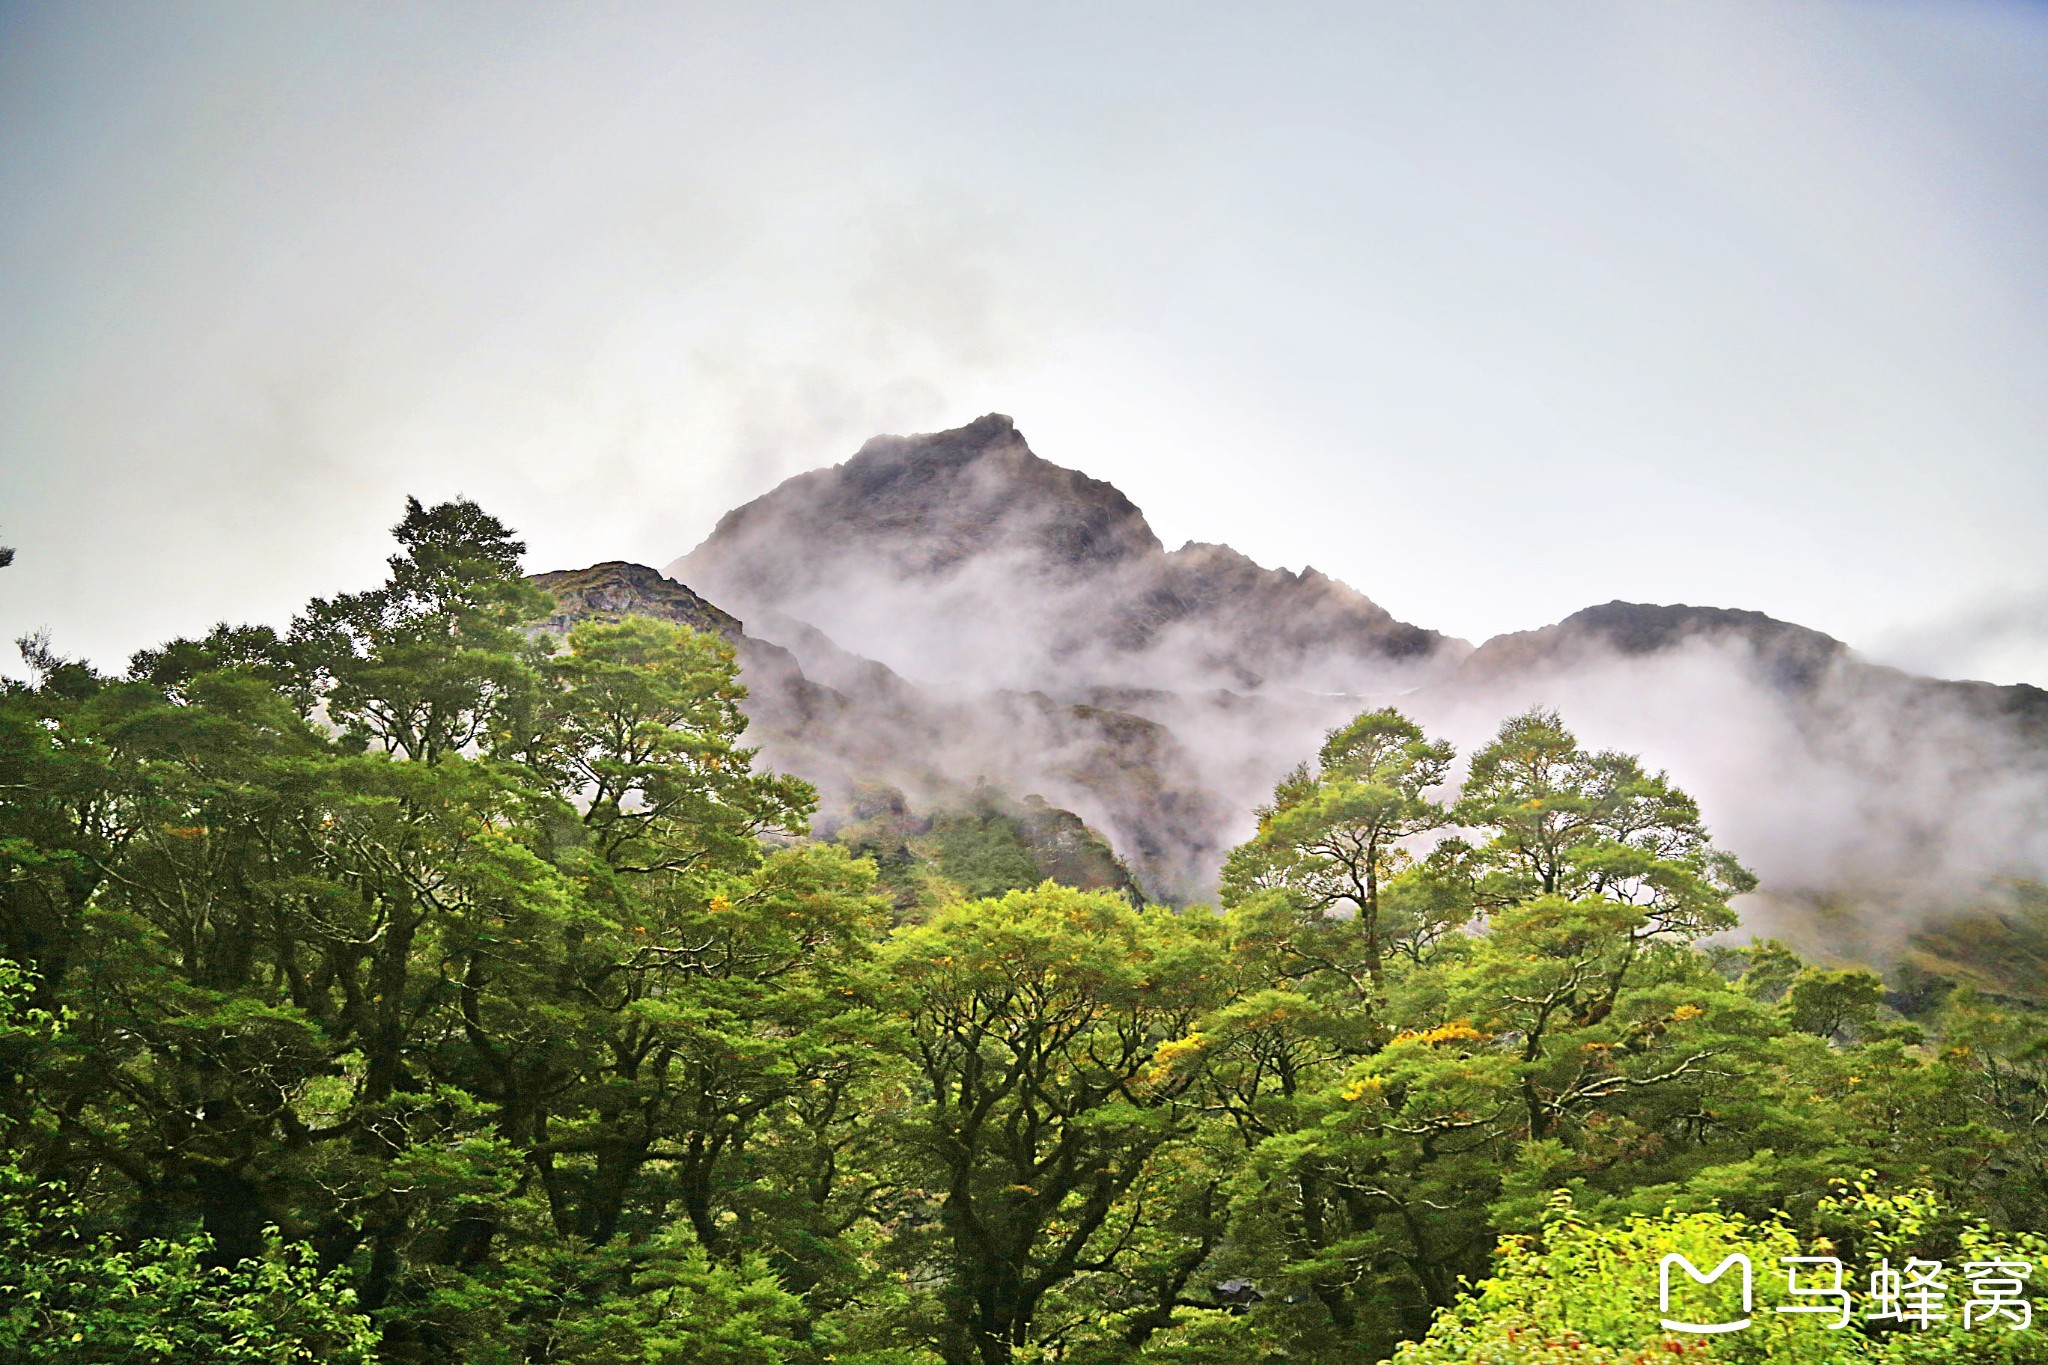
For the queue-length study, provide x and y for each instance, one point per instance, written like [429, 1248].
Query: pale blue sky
[1494, 311]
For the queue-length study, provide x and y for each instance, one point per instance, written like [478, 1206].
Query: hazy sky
[1492, 311]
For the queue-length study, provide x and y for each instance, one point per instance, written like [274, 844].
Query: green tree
[1573, 823]
[1579, 1038]
[69, 1296]
[1333, 836]
[1831, 1003]
[1038, 1022]
[441, 949]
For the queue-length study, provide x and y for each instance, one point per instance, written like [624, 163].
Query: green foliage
[983, 855]
[1829, 1003]
[977, 844]
[417, 987]
[677, 1306]
[458, 958]
[76, 1301]
[1584, 1292]
[1043, 1024]
[1332, 839]
[68, 1297]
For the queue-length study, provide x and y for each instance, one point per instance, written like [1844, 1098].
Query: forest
[413, 985]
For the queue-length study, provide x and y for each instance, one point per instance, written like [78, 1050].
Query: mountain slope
[945, 753]
[923, 505]
[1792, 655]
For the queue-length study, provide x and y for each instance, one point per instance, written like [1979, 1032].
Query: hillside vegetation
[422, 984]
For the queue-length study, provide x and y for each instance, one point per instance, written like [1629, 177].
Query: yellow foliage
[1170, 1053]
[1457, 1031]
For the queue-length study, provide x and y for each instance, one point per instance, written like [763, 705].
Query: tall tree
[1037, 1021]
[1334, 834]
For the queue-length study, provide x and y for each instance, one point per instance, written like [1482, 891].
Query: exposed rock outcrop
[615, 588]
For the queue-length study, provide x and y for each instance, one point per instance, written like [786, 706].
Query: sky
[1492, 311]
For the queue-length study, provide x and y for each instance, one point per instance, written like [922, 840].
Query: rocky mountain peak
[964, 555]
[922, 505]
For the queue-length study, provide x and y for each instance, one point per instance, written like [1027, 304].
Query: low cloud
[1052, 645]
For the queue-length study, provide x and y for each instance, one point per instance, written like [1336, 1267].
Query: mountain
[1798, 661]
[967, 624]
[963, 557]
[1884, 811]
[923, 505]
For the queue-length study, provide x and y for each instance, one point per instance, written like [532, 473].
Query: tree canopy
[413, 985]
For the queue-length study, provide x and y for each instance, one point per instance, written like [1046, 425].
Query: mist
[992, 616]
[1869, 803]
[1491, 313]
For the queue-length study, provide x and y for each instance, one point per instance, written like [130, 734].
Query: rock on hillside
[613, 589]
[982, 842]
